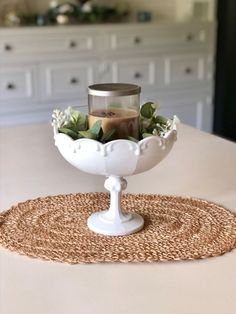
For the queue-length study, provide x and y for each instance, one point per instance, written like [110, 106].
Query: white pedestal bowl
[116, 159]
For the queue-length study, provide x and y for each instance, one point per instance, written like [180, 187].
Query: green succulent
[75, 125]
[151, 124]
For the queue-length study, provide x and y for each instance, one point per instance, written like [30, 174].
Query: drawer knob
[189, 37]
[188, 70]
[8, 47]
[74, 80]
[72, 44]
[137, 75]
[137, 40]
[11, 86]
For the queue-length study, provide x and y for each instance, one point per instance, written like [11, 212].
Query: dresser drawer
[138, 71]
[68, 43]
[184, 70]
[161, 37]
[17, 82]
[66, 80]
[131, 40]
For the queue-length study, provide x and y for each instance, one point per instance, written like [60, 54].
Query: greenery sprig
[75, 124]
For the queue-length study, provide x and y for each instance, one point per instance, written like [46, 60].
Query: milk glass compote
[115, 160]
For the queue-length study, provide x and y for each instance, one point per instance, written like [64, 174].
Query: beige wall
[184, 8]
[159, 8]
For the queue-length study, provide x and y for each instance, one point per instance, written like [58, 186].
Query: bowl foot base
[102, 223]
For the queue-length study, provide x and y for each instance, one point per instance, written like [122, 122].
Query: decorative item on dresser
[44, 68]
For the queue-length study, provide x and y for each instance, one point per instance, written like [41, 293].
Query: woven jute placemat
[55, 228]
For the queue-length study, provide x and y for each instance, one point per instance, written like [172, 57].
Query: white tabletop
[199, 165]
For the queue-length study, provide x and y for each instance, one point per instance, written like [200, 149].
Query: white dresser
[51, 67]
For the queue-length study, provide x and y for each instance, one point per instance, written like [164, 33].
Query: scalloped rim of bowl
[165, 138]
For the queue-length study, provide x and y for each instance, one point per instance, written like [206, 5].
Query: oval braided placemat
[176, 228]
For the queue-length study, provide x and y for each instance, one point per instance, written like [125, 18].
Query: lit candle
[117, 106]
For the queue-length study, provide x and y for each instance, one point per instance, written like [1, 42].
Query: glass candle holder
[117, 105]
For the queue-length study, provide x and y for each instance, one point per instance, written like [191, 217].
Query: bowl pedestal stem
[114, 221]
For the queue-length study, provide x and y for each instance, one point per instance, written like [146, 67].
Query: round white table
[200, 165]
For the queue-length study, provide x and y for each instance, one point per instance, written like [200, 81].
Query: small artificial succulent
[75, 124]
[151, 124]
